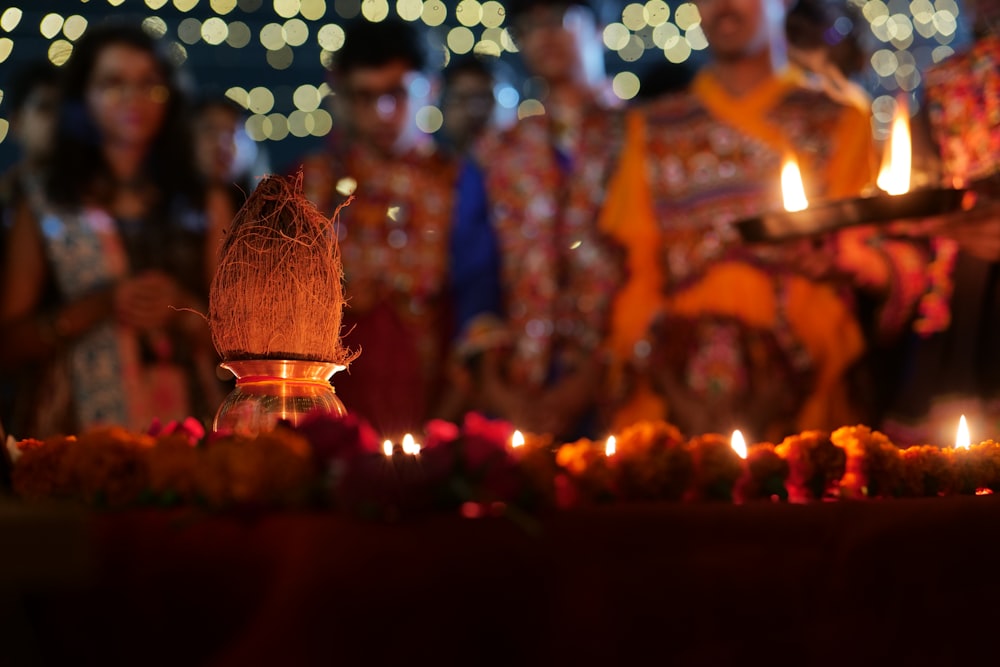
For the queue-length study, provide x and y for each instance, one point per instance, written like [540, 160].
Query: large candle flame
[792, 191]
[387, 447]
[894, 176]
[517, 440]
[962, 438]
[610, 446]
[739, 444]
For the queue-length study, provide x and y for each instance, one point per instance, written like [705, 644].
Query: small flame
[610, 446]
[962, 438]
[894, 176]
[739, 444]
[517, 440]
[387, 447]
[792, 190]
[409, 445]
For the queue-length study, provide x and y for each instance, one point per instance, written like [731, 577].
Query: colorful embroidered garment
[559, 274]
[394, 241]
[712, 331]
[114, 374]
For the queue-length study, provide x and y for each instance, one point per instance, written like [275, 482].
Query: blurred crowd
[573, 271]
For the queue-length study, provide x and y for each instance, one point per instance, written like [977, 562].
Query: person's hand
[144, 301]
[976, 228]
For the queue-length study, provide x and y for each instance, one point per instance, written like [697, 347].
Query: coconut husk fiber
[278, 291]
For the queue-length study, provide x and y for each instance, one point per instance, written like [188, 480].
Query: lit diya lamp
[896, 201]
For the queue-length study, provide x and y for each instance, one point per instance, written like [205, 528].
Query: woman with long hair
[100, 280]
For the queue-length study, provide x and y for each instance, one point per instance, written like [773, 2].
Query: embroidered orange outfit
[394, 245]
[707, 320]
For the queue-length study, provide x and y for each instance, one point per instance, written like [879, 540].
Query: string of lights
[244, 39]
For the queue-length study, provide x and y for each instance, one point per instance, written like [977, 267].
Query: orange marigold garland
[874, 464]
[815, 466]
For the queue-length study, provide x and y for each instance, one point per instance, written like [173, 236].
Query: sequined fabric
[559, 274]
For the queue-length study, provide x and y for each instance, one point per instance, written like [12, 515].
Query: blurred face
[734, 28]
[376, 104]
[215, 142]
[551, 40]
[468, 105]
[127, 95]
[34, 123]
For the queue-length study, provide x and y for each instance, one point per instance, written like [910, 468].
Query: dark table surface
[902, 582]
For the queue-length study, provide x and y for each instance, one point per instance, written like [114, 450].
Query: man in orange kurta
[710, 332]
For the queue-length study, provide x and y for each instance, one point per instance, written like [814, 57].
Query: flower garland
[474, 469]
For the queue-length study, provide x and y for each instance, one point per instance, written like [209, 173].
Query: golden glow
[4, 127]
[687, 16]
[74, 27]
[238, 95]
[272, 36]
[429, 119]
[610, 446]
[214, 31]
[634, 16]
[517, 440]
[286, 9]
[300, 123]
[346, 186]
[154, 26]
[223, 7]
[656, 12]
[625, 85]
[375, 10]
[313, 10]
[739, 444]
[306, 97]
[59, 51]
[493, 14]
[295, 31]
[260, 100]
[792, 191]
[185, 5]
[155, 4]
[331, 37]
[616, 36]
[962, 438]
[10, 18]
[279, 127]
[387, 447]
[487, 47]
[6, 46]
[322, 122]
[469, 13]
[409, 10]
[461, 40]
[50, 25]
[528, 108]
[409, 445]
[434, 13]
[894, 176]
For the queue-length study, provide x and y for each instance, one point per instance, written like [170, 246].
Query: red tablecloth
[906, 582]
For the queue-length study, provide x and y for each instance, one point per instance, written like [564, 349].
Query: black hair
[208, 101]
[662, 78]
[27, 79]
[368, 44]
[468, 64]
[516, 8]
[170, 163]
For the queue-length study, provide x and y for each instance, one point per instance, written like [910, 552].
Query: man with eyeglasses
[716, 334]
[394, 236]
[536, 363]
